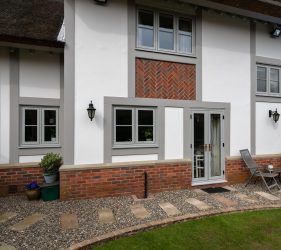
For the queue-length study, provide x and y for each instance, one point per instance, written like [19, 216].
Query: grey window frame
[43, 126]
[23, 125]
[40, 127]
[176, 18]
[135, 142]
[268, 80]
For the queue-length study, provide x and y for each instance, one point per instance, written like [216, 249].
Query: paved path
[107, 215]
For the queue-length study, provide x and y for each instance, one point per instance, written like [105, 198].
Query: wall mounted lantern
[274, 114]
[276, 32]
[91, 111]
[101, 1]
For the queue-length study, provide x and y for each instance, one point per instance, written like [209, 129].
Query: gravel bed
[47, 234]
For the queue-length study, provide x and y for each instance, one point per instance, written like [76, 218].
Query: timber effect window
[268, 80]
[164, 32]
[39, 126]
[134, 126]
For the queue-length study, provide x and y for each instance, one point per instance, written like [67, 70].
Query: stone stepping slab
[139, 211]
[230, 188]
[268, 196]
[226, 201]
[246, 198]
[106, 216]
[199, 204]
[169, 209]
[7, 216]
[69, 221]
[4, 246]
[27, 222]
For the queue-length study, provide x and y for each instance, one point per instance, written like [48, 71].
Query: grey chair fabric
[256, 172]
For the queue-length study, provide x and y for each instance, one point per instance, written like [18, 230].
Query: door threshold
[200, 183]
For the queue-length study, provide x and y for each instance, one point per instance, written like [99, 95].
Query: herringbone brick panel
[166, 80]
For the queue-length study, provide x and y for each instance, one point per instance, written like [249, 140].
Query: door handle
[205, 147]
[210, 147]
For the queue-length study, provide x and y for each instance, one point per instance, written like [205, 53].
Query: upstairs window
[134, 126]
[268, 80]
[163, 32]
[39, 126]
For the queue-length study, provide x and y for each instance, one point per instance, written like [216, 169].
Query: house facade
[179, 87]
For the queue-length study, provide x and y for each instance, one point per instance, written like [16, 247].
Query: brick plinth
[166, 80]
[236, 172]
[14, 178]
[118, 181]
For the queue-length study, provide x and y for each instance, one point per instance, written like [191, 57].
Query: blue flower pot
[50, 178]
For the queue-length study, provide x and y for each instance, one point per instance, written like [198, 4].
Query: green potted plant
[148, 134]
[50, 164]
[32, 191]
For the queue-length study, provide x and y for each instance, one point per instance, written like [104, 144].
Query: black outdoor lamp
[274, 114]
[91, 111]
[276, 32]
[101, 1]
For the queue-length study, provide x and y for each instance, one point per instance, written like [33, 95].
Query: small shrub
[51, 163]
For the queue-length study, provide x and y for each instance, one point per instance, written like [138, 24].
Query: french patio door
[208, 145]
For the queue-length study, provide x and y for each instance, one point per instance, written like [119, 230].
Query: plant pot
[33, 194]
[50, 178]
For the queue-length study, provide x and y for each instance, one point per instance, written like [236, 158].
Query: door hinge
[223, 117]
[223, 144]
[190, 145]
[223, 172]
[190, 116]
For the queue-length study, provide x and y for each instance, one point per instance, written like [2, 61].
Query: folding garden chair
[256, 172]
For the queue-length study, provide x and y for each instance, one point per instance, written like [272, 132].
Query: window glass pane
[185, 25]
[30, 117]
[261, 86]
[123, 117]
[145, 117]
[146, 18]
[274, 75]
[166, 40]
[145, 37]
[50, 117]
[30, 134]
[145, 133]
[166, 21]
[123, 133]
[185, 43]
[50, 134]
[261, 73]
[274, 87]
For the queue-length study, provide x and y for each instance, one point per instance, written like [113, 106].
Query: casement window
[39, 126]
[268, 80]
[134, 126]
[164, 32]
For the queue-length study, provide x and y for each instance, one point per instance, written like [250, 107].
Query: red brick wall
[167, 80]
[105, 182]
[13, 180]
[236, 172]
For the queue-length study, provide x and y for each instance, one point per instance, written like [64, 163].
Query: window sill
[39, 146]
[135, 146]
[268, 95]
[165, 52]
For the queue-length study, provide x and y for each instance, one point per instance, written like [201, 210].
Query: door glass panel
[199, 135]
[215, 145]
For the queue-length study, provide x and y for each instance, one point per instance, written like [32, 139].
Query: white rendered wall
[32, 158]
[173, 133]
[126, 158]
[39, 74]
[101, 62]
[267, 46]
[4, 106]
[226, 72]
[268, 133]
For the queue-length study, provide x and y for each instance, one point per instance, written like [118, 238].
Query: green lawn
[249, 230]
